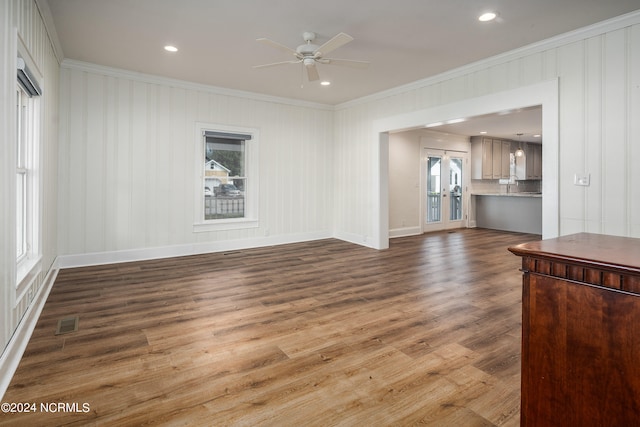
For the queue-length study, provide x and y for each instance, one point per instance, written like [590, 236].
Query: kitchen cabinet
[530, 165]
[501, 150]
[489, 158]
[496, 156]
[580, 331]
[537, 161]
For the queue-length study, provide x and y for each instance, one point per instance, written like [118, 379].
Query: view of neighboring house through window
[225, 175]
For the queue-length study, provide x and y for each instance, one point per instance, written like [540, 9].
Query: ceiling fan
[309, 54]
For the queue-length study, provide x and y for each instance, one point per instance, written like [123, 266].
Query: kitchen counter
[523, 194]
[519, 212]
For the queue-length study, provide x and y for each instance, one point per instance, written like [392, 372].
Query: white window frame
[250, 219]
[28, 139]
[23, 109]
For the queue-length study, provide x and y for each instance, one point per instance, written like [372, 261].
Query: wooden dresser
[580, 331]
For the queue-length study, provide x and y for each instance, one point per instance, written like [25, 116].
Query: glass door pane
[455, 184]
[434, 195]
[444, 176]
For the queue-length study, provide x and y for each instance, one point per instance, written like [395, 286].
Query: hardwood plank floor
[317, 333]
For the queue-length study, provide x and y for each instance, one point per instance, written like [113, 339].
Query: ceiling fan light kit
[310, 54]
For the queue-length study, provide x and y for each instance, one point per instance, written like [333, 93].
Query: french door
[444, 183]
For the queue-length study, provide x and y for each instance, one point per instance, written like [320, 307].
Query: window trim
[22, 171]
[28, 266]
[250, 219]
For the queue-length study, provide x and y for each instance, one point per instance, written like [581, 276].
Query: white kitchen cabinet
[489, 158]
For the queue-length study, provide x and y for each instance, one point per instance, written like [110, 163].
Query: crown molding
[597, 29]
[183, 84]
[50, 28]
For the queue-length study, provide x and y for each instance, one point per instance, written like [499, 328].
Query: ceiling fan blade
[312, 71]
[337, 41]
[277, 63]
[279, 47]
[345, 62]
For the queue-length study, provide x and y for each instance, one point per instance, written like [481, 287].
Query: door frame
[544, 93]
[444, 224]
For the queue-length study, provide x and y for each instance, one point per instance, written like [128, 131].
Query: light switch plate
[582, 179]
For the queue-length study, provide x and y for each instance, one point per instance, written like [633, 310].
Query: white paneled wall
[128, 155]
[598, 73]
[119, 156]
[7, 172]
[21, 20]
[633, 129]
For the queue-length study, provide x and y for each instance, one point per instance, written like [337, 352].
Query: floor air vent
[67, 325]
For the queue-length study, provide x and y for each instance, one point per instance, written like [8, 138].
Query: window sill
[225, 224]
[27, 270]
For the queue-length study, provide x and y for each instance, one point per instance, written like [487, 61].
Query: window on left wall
[27, 166]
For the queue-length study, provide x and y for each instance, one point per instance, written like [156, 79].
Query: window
[27, 164]
[224, 177]
[227, 178]
[22, 119]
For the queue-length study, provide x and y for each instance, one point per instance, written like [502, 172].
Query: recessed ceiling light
[325, 83]
[170, 48]
[489, 16]
[537, 136]
[434, 124]
[483, 132]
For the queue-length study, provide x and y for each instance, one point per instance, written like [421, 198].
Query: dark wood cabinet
[580, 331]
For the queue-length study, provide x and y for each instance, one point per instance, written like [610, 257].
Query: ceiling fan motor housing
[307, 49]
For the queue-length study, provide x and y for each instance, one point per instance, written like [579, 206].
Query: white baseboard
[10, 358]
[131, 255]
[357, 239]
[404, 232]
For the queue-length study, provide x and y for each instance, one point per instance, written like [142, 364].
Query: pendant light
[519, 152]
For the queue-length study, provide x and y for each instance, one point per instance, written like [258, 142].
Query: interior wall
[404, 183]
[128, 169]
[405, 164]
[21, 19]
[598, 74]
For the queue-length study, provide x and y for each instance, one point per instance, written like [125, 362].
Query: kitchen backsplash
[493, 186]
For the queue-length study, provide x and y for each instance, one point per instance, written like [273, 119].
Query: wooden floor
[321, 333]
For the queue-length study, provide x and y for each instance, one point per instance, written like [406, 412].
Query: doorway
[444, 196]
[544, 93]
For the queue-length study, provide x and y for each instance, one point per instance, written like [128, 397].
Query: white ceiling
[523, 124]
[404, 40]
